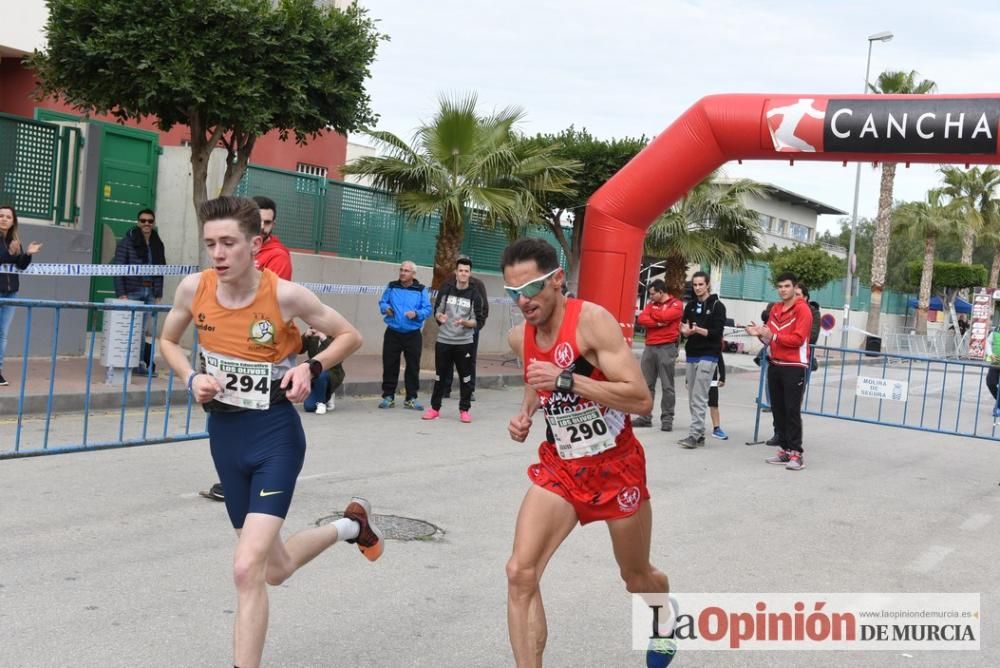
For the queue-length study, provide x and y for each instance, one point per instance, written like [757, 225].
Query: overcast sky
[631, 67]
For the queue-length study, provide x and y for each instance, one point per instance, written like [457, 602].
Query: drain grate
[396, 528]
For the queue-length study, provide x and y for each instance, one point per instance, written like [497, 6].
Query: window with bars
[311, 170]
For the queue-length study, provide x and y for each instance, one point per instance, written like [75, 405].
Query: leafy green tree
[231, 70]
[709, 225]
[598, 160]
[462, 161]
[927, 221]
[890, 82]
[950, 276]
[812, 265]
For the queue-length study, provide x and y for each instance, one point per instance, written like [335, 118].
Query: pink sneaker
[430, 414]
[465, 417]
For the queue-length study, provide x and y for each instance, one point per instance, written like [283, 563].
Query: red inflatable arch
[874, 128]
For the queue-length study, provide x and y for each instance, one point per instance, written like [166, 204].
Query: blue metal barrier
[944, 396]
[73, 411]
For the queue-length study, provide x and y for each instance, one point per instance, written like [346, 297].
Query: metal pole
[849, 288]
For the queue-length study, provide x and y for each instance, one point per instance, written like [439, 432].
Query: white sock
[347, 529]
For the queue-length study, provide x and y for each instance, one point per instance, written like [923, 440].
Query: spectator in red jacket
[273, 254]
[662, 320]
[787, 336]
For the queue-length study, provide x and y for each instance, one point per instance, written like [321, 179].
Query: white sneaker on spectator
[320, 408]
[330, 405]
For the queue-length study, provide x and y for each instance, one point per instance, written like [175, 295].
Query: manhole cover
[395, 527]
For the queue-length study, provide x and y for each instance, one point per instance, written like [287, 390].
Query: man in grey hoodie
[458, 308]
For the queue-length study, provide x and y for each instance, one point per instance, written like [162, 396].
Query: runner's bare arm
[600, 340]
[203, 387]
[515, 338]
[299, 302]
[520, 424]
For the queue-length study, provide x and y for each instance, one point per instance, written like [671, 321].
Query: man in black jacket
[702, 325]
[141, 245]
[480, 288]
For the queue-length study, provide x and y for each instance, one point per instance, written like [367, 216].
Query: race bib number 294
[244, 384]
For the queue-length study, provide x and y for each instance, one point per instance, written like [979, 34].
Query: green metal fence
[753, 283]
[326, 216]
[38, 164]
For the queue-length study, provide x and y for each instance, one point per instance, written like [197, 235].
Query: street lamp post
[884, 36]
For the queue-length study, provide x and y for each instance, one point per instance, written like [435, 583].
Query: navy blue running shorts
[258, 456]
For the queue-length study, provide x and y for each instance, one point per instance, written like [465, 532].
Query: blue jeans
[320, 393]
[144, 295]
[6, 316]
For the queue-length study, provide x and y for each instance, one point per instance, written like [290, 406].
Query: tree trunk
[675, 274]
[968, 242]
[449, 241]
[236, 168]
[575, 248]
[203, 141]
[995, 269]
[199, 173]
[880, 245]
[926, 278]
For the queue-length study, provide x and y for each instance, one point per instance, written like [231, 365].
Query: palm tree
[991, 235]
[890, 82]
[973, 191]
[710, 225]
[928, 221]
[539, 175]
[459, 162]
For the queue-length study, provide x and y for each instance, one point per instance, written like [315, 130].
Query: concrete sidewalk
[69, 383]
[364, 378]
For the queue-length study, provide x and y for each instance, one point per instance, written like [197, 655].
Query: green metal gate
[127, 185]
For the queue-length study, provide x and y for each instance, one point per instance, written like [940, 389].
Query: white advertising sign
[881, 388]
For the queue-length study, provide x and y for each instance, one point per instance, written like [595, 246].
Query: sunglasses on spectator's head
[146, 220]
[529, 289]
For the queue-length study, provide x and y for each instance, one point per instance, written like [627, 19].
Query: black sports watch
[315, 368]
[564, 381]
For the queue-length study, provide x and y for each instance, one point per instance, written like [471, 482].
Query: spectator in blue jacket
[405, 305]
[141, 245]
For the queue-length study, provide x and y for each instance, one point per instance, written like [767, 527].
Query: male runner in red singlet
[247, 380]
[580, 371]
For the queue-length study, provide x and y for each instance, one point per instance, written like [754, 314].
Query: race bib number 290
[580, 433]
[244, 384]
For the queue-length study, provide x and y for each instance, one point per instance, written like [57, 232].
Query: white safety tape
[50, 269]
[852, 328]
[340, 289]
[43, 269]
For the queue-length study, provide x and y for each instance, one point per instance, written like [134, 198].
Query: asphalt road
[112, 559]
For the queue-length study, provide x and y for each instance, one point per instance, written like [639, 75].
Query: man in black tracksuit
[457, 311]
[480, 288]
[702, 325]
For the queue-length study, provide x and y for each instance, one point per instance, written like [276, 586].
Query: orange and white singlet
[247, 348]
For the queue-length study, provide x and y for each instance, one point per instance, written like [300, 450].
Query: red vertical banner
[979, 327]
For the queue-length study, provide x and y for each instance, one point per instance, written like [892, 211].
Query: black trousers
[408, 344]
[459, 356]
[992, 380]
[448, 378]
[787, 385]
